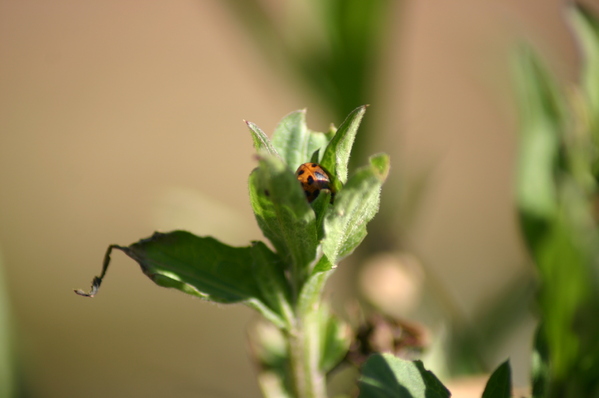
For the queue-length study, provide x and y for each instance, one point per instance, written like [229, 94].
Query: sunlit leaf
[203, 267]
[295, 142]
[355, 205]
[336, 155]
[284, 214]
[386, 376]
[261, 141]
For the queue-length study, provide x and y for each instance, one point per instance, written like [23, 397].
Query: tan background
[118, 118]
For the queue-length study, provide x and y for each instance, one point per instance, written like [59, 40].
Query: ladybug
[313, 179]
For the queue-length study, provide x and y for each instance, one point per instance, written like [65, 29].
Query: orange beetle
[313, 179]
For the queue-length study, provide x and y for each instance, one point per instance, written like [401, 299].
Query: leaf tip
[381, 166]
[94, 289]
[98, 279]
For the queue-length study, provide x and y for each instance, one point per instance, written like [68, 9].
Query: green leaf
[325, 338]
[569, 295]
[321, 205]
[355, 205]
[334, 339]
[268, 272]
[562, 266]
[203, 267]
[541, 114]
[284, 215]
[311, 290]
[336, 155]
[499, 384]
[261, 142]
[386, 376]
[295, 142]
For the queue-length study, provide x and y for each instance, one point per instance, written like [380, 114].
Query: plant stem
[308, 381]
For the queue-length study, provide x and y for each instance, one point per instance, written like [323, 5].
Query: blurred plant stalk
[557, 196]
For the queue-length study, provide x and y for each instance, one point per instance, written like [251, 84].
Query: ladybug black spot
[314, 165]
[299, 173]
[310, 180]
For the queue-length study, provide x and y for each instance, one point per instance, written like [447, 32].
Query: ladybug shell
[313, 179]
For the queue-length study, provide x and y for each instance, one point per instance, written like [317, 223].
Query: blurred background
[119, 118]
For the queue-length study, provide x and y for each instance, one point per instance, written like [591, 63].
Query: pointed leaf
[386, 376]
[336, 156]
[262, 143]
[354, 207]
[499, 384]
[200, 266]
[541, 114]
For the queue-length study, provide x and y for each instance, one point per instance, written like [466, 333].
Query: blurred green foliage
[557, 196]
